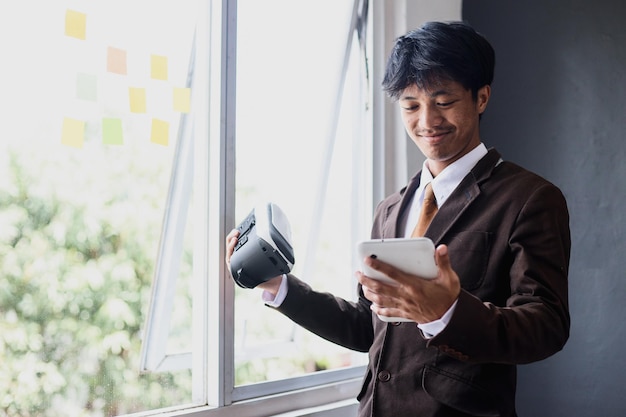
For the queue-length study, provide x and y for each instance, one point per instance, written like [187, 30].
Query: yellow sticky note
[116, 60]
[73, 132]
[182, 99]
[75, 24]
[112, 131]
[137, 98]
[160, 132]
[158, 67]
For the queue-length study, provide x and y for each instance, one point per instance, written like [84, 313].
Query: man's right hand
[271, 286]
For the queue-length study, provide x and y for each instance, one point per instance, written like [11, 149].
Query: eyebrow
[434, 94]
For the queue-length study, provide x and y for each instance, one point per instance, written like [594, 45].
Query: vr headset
[263, 250]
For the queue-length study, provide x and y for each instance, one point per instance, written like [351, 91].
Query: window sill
[331, 400]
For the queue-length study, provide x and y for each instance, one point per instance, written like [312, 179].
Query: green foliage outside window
[75, 281]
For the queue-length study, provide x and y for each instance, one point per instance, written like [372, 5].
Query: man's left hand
[415, 298]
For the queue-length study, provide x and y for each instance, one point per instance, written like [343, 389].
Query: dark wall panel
[559, 108]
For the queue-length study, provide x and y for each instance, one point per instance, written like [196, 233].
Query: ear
[482, 98]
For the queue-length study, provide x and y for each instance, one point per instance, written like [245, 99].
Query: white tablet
[412, 255]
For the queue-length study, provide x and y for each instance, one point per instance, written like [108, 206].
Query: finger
[374, 286]
[387, 311]
[376, 264]
[383, 267]
[371, 295]
[379, 299]
[231, 241]
[365, 281]
[447, 276]
[398, 277]
[232, 233]
[442, 259]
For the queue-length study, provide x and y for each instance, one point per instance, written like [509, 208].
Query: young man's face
[443, 120]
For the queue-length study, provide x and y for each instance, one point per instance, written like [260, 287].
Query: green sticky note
[137, 99]
[86, 87]
[73, 132]
[112, 131]
[160, 132]
[182, 99]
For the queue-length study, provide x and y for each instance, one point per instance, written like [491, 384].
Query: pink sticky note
[116, 60]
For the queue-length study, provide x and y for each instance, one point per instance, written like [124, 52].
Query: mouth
[433, 136]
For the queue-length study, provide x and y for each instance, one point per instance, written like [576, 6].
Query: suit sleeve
[345, 323]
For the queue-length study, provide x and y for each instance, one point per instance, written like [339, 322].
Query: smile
[433, 136]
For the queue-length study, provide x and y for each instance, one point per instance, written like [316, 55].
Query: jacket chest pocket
[469, 256]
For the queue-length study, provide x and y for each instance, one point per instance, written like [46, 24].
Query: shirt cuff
[276, 301]
[433, 328]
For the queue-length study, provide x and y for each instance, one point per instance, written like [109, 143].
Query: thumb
[441, 257]
[446, 273]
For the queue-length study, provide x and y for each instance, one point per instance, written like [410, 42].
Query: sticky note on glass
[86, 87]
[73, 132]
[116, 60]
[160, 132]
[158, 67]
[112, 131]
[182, 99]
[75, 24]
[137, 99]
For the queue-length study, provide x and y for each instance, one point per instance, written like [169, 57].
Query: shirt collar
[448, 179]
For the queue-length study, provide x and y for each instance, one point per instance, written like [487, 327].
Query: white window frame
[213, 140]
[154, 357]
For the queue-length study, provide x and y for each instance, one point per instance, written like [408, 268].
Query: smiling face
[443, 120]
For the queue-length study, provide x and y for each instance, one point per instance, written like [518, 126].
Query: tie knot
[429, 194]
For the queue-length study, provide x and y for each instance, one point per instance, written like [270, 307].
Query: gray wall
[559, 108]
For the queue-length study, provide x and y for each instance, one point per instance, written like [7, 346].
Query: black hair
[439, 51]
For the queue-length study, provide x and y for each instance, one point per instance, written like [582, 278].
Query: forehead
[433, 90]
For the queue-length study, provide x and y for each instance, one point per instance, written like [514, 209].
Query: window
[140, 133]
[300, 143]
[94, 95]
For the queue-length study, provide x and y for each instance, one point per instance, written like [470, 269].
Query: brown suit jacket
[507, 230]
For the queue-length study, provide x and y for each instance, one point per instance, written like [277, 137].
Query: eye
[446, 103]
[410, 107]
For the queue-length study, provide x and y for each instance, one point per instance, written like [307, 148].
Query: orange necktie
[429, 209]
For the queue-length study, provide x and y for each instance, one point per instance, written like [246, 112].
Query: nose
[429, 117]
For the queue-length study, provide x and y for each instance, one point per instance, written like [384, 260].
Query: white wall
[398, 158]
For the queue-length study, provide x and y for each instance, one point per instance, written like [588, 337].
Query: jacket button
[384, 376]
[396, 323]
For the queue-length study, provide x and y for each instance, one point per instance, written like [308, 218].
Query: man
[503, 245]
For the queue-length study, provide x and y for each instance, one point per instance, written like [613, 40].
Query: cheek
[409, 122]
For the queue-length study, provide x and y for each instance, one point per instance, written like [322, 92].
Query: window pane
[288, 69]
[92, 94]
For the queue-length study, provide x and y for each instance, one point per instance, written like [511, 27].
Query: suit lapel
[454, 207]
[462, 197]
[397, 209]
[458, 202]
